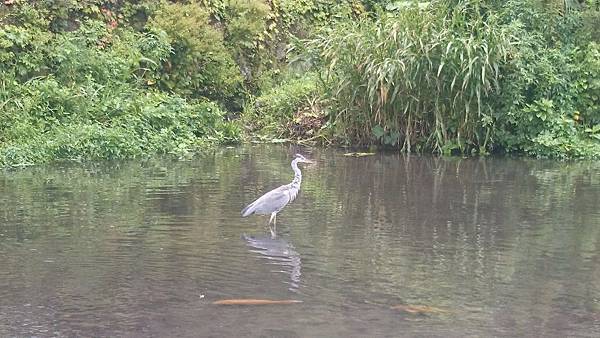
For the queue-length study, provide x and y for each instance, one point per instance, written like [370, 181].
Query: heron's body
[276, 199]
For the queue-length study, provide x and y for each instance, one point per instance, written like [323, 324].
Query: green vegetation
[280, 107]
[106, 79]
[80, 81]
[466, 77]
[418, 78]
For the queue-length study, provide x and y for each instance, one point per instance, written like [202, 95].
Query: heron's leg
[274, 220]
[273, 233]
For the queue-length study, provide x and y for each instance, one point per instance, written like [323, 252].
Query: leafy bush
[21, 51]
[301, 15]
[273, 109]
[200, 65]
[549, 95]
[88, 94]
[587, 80]
[246, 21]
[149, 123]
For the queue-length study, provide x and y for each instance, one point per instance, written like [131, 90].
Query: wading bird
[273, 201]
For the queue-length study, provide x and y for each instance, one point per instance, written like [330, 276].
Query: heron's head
[302, 159]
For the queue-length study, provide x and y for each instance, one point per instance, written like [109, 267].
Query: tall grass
[419, 78]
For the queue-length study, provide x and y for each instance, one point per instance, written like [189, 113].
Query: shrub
[245, 24]
[200, 65]
[549, 95]
[151, 123]
[270, 112]
[78, 95]
[22, 51]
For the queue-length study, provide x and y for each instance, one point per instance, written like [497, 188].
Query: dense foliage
[419, 77]
[465, 76]
[109, 79]
[549, 103]
[79, 82]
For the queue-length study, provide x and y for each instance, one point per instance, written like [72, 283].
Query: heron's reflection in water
[280, 253]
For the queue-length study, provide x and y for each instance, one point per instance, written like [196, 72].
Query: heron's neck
[297, 174]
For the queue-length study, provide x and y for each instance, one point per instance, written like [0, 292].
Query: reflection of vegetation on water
[479, 226]
[405, 230]
[122, 191]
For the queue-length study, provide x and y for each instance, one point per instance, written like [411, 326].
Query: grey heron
[276, 199]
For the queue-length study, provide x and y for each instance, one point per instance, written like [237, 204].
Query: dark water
[505, 247]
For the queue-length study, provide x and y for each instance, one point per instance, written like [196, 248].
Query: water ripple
[505, 247]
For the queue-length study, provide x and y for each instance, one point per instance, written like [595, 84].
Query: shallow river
[378, 246]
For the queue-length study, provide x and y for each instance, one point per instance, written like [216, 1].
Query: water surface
[505, 247]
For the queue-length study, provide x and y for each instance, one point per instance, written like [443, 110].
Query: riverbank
[108, 80]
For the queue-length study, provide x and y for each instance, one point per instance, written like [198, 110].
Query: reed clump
[419, 78]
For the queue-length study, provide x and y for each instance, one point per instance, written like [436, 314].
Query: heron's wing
[270, 202]
[293, 192]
